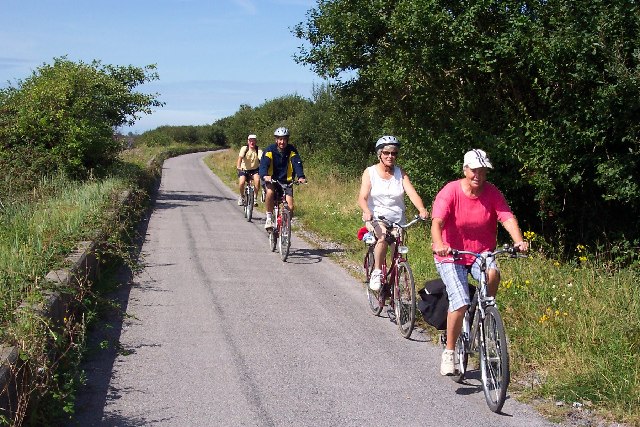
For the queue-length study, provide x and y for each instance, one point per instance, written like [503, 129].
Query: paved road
[219, 334]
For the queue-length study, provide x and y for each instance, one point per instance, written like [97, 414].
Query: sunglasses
[390, 153]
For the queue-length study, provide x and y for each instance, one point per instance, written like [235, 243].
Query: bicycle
[398, 275]
[486, 336]
[280, 234]
[249, 199]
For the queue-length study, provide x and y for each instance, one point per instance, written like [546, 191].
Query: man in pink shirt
[465, 216]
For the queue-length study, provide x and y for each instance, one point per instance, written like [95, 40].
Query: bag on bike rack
[434, 303]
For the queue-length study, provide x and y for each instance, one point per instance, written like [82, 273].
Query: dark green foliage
[66, 114]
[190, 135]
[550, 89]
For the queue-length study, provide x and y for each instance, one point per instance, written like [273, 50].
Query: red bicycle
[397, 279]
[280, 234]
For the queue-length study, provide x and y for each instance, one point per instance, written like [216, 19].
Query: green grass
[574, 328]
[35, 236]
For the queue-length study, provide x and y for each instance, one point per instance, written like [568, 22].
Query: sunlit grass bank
[35, 236]
[574, 328]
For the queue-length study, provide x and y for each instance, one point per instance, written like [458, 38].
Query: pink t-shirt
[470, 223]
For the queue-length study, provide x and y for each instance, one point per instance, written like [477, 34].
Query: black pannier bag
[434, 303]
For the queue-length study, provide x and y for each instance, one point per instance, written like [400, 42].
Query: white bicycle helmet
[387, 140]
[281, 131]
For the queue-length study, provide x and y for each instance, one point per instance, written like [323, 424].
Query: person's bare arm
[363, 197]
[413, 195]
[511, 225]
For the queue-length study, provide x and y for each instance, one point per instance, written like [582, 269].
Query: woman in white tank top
[382, 192]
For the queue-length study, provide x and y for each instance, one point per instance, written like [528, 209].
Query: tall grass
[574, 328]
[35, 235]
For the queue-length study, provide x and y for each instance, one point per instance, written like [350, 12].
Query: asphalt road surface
[219, 331]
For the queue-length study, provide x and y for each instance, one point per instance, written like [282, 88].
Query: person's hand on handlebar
[267, 178]
[441, 249]
[424, 214]
[522, 246]
[302, 180]
[367, 216]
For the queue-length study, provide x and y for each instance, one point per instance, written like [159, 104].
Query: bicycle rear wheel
[249, 199]
[284, 238]
[404, 295]
[494, 359]
[372, 296]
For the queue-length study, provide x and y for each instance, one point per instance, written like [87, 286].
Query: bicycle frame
[393, 274]
[249, 198]
[281, 209]
[475, 338]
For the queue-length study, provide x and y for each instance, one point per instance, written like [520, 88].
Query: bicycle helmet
[387, 140]
[281, 131]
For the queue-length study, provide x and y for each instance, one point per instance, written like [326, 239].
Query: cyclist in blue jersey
[281, 162]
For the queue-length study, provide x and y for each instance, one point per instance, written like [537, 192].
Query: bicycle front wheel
[494, 359]
[404, 296]
[249, 199]
[372, 296]
[284, 238]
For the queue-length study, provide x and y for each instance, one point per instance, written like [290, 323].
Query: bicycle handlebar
[395, 224]
[509, 249]
[286, 184]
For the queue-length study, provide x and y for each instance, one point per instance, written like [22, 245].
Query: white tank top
[386, 197]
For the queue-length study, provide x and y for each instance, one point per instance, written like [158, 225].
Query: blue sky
[212, 56]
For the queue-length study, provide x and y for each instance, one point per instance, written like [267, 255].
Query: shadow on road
[177, 199]
[103, 347]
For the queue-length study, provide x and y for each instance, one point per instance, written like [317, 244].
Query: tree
[68, 112]
[550, 89]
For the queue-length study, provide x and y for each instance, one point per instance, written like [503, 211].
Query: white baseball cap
[476, 159]
[252, 136]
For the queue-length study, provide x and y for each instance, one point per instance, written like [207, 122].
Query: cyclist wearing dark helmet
[280, 161]
[382, 192]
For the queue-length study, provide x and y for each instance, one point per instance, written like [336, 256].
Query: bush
[67, 112]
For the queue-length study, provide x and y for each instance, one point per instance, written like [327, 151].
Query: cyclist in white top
[382, 192]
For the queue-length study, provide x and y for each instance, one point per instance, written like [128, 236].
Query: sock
[269, 215]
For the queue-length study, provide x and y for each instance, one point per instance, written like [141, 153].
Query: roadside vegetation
[550, 90]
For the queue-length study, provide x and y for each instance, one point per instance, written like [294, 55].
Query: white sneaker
[240, 201]
[375, 281]
[447, 366]
[268, 224]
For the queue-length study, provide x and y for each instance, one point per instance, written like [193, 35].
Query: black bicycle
[249, 199]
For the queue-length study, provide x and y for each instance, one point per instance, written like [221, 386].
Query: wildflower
[556, 263]
[530, 235]
[526, 282]
[583, 259]
[580, 248]
[570, 284]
